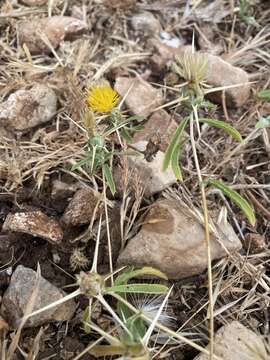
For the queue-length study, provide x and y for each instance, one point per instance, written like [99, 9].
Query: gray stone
[236, 342]
[25, 109]
[172, 240]
[61, 193]
[145, 21]
[34, 223]
[18, 294]
[140, 97]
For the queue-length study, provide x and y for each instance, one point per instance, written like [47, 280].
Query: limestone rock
[172, 240]
[55, 29]
[35, 223]
[158, 129]
[25, 109]
[145, 21]
[236, 342]
[221, 73]
[85, 204]
[19, 292]
[148, 174]
[140, 97]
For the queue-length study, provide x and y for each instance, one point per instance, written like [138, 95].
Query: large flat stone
[172, 240]
[234, 341]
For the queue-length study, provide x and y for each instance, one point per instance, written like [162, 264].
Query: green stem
[207, 234]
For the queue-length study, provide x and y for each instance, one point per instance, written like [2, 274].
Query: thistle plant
[193, 67]
[94, 286]
[134, 326]
[134, 345]
[102, 100]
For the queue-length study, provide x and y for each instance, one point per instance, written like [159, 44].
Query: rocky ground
[53, 213]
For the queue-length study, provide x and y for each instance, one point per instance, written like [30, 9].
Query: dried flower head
[91, 283]
[193, 67]
[89, 122]
[78, 260]
[102, 98]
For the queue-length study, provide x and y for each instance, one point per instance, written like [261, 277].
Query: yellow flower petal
[102, 99]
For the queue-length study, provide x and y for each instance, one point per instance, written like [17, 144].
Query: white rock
[25, 109]
[148, 174]
[236, 342]
[173, 241]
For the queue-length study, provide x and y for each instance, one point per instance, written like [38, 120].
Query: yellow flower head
[102, 98]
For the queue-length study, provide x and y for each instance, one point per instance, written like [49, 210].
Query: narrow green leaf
[137, 128]
[125, 134]
[109, 178]
[136, 117]
[175, 163]
[146, 270]
[137, 328]
[79, 164]
[174, 142]
[264, 94]
[237, 199]
[138, 288]
[224, 126]
[85, 319]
